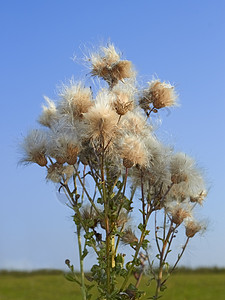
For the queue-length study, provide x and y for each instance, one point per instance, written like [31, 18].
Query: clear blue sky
[179, 41]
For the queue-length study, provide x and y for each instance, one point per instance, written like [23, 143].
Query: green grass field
[188, 285]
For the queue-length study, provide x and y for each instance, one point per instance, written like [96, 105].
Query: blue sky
[179, 41]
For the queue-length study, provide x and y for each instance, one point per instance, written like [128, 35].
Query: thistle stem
[138, 247]
[86, 192]
[83, 289]
[162, 257]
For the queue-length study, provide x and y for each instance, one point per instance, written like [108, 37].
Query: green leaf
[141, 227]
[88, 235]
[72, 278]
[145, 244]
[158, 256]
[119, 184]
[163, 287]
[89, 287]
[85, 253]
[100, 200]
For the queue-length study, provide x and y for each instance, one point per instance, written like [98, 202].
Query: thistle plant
[103, 153]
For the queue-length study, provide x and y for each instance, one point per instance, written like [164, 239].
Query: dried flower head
[57, 172]
[192, 227]
[129, 237]
[87, 213]
[133, 151]
[76, 99]
[107, 65]
[159, 94]
[34, 147]
[181, 167]
[135, 123]
[63, 144]
[178, 212]
[49, 113]
[187, 179]
[159, 159]
[198, 198]
[101, 119]
[124, 101]
[122, 219]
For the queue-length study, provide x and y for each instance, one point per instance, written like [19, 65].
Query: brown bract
[40, 159]
[122, 103]
[71, 155]
[128, 163]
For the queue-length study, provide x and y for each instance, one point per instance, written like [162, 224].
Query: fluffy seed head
[123, 102]
[76, 99]
[179, 214]
[132, 151]
[107, 65]
[134, 123]
[71, 155]
[192, 227]
[101, 119]
[63, 144]
[87, 213]
[49, 113]
[181, 167]
[129, 237]
[198, 198]
[160, 94]
[57, 171]
[187, 179]
[34, 147]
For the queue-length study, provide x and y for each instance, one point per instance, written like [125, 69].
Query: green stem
[138, 247]
[162, 257]
[83, 289]
[70, 195]
[86, 192]
[107, 229]
[133, 261]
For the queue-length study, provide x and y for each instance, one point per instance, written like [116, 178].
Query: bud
[67, 262]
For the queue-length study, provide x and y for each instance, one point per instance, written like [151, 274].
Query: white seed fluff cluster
[79, 128]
